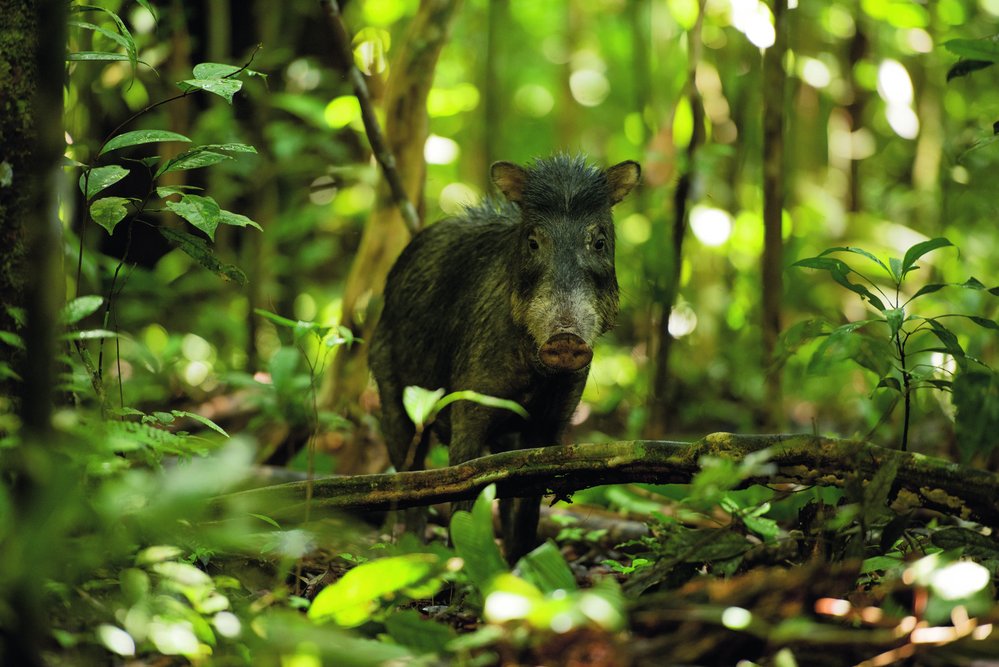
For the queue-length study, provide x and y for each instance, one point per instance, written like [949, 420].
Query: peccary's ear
[510, 179]
[621, 178]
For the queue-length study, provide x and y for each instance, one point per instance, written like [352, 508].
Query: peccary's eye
[599, 244]
[532, 243]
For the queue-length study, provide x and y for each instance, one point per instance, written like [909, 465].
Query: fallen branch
[922, 481]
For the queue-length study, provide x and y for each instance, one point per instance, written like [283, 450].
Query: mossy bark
[921, 481]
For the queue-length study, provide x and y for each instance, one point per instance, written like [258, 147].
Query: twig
[345, 60]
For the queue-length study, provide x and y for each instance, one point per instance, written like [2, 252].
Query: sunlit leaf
[977, 49]
[100, 178]
[79, 308]
[95, 55]
[472, 535]
[141, 137]
[420, 403]
[237, 220]
[224, 88]
[920, 249]
[545, 567]
[109, 211]
[858, 251]
[355, 597]
[202, 212]
[193, 159]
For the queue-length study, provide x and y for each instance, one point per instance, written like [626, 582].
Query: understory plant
[907, 349]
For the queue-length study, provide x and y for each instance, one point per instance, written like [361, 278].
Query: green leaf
[857, 251]
[896, 269]
[835, 337]
[928, 289]
[202, 253]
[99, 178]
[973, 543]
[201, 420]
[214, 70]
[168, 190]
[79, 308]
[482, 399]
[546, 568]
[408, 628]
[982, 322]
[895, 317]
[237, 220]
[472, 536]
[113, 36]
[965, 67]
[108, 212]
[920, 249]
[202, 212]
[421, 404]
[353, 599]
[95, 55]
[126, 35]
[977, 49]
[141, 137]
[947, 337]
[195, 158]
[231, 147]
[224, 88]
[12, 339]
[890, 383]
[792, 338]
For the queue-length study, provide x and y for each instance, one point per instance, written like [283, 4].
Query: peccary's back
[450, 284]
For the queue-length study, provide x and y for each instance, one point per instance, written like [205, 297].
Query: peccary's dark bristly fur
[506, 300]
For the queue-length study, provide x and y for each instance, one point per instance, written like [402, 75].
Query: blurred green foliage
[883, 153]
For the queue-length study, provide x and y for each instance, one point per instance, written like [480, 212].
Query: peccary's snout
[565, 352]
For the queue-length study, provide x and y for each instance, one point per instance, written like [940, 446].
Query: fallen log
[921, 481]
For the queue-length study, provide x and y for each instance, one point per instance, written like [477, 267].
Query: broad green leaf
[192, 159]
[237, 220]
[920, 249]
[482, 399]
[895, 317]
[113, 36]
[353, 599]
[836, 337]
[472, 536]
[856, 288]
[947, 337]
[421, 404]
[231, 147]
[792, 338]
[965, 67]
[972, 542]
[79, 308]
[545, 567]
[857, 251]
[928, 289]
[95, 55]
[408, 628]
[982, 322]
[214, 70]
[167, 190]
[202, 212]
[896, 269]
[201, 420]
[99, 178]
[108, 212]
[977, 49]
[129, 42]
[224, 88]
[202, 253]
[12, 339]
[141, 137]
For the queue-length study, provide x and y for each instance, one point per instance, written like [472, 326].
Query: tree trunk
[32, 55]
[773, 205]
[385, 235]
[663, 390]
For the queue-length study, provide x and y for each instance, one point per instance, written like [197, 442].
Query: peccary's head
[565, 289]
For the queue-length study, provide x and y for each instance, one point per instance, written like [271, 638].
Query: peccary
[506, 300]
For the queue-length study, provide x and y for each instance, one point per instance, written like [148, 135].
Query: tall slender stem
[906, 380]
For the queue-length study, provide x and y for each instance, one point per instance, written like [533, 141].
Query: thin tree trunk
[662, 392]
[385, 235]
[774, 79]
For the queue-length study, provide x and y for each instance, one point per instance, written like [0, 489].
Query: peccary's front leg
[470, 427]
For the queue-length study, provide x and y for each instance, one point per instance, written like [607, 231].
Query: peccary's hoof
[565, 352]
